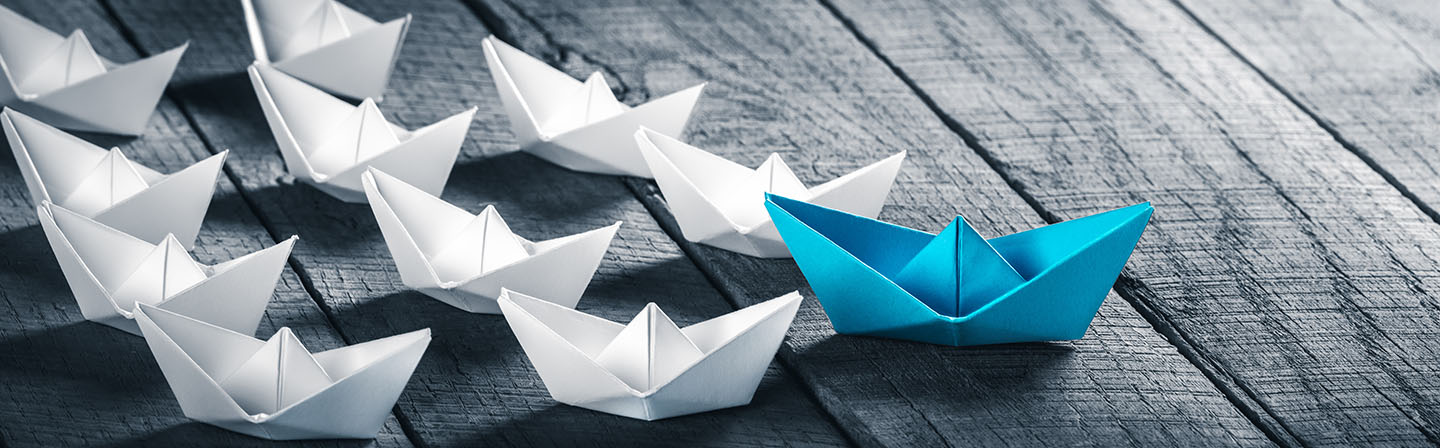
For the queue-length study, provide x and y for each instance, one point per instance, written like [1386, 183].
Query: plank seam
[1323, 123]
[1223, 380]
[1335, 134]
[637, 187]
[265, 223]
[497, 26]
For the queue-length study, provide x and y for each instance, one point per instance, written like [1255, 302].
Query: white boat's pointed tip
[170, 239]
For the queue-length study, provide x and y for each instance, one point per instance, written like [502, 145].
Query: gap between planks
[1329, 129]
[497, 26]
[300, 273]
[1240, 396]
[1325, 125]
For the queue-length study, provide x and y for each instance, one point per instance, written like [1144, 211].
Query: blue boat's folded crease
[957, 288]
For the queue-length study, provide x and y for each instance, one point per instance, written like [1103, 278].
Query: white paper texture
[722, 203]
[61, 80]
[276, 389]
[110, 272]
[326, 44]
[329, 143]
[649, 369]
[574, 124]
[464, 259]
[108, 187]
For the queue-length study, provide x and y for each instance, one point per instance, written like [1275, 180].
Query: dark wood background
[1285, 292]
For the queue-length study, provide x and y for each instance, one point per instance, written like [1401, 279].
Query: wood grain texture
[1366, 70]
[1281, 257]
[68, 382]
[475, 385]
[787, 77]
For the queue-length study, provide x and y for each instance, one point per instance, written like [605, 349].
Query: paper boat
[325, 44]
[276, 389]
[111, 272]
[107, 186]
[578, 125]
[60, 79]
[722, 203]
[649, 369]
[329, 143]
[464, 260]
[957, 288]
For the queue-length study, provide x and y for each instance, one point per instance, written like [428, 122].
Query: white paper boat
[722, 203]
[276, 389]
[111, 272]
[329, 143]
[650, 369]
[326, 44]
[60, 79]
[107, 186]
[464, 260]
[578, 125]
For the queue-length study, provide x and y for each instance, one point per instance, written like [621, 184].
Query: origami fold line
[60, 79]
[325, 43]
[110, 272]
[722, 203]
[578, 125]
[464, 260]
[957, 288]
[277, 389]
[107, 186]
[649, 369]
[329, 143]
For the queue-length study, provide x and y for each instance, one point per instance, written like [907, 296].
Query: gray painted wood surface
[1275, 254]
[68, 382]
[475, 385]
[1281, 295]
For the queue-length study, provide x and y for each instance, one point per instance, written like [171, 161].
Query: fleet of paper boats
[121, 234]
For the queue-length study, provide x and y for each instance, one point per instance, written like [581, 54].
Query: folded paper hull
[608, 147]
[357, 67]
[727, 375]
[558, 269]
[696, 183]
[234, 297]
[372, 376]
[119, 101]
[1070, 268]
[173, 204]
[423, 158]
[761, 242]
[526, 84]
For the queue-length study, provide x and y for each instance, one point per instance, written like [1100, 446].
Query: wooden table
[1286, 292]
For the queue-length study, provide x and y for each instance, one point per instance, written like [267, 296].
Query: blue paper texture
[957, 288]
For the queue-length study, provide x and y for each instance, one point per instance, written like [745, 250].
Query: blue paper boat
[957, 288]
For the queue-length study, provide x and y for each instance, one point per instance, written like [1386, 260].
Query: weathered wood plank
[68, 382]
[1287, 262]
[787, 77]
[474, 386]
[1366, 70]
